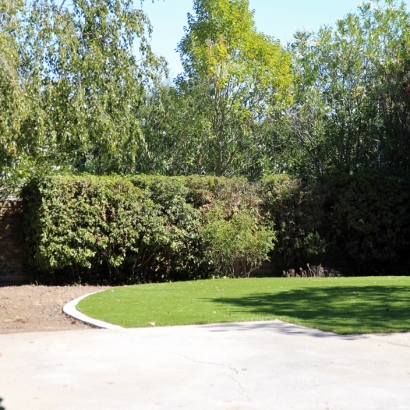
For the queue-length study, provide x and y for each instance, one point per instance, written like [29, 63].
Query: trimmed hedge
[153, 228]
[85, 228]
[356, 224]
[139, 229]
[296, 207]
[370, 222]
[207, 210]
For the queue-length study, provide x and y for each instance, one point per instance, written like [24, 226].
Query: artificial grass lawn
[340, 305]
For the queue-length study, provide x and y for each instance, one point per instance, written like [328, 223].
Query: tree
[234, 79]
[351, 105]
[170, 134]
[12, 99]
[75, 69]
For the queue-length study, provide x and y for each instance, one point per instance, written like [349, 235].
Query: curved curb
[70, 309]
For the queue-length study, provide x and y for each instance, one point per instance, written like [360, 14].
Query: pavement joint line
[70, 309]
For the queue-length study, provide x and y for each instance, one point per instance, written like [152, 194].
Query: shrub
[358, 222]
[370, 221]
[137, 229]
[180, 255]
[154, 228]
[220, 216]
[236, 243]
[297, 209]
[85, 228]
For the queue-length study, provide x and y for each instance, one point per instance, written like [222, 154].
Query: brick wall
[12, 269]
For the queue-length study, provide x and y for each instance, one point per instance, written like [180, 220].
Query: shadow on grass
[365, 309]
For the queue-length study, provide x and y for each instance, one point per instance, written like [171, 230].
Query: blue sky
[277, 18]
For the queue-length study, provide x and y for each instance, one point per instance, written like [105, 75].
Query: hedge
[296, 207]
[369, 221]
[86, 229]
[136, 229]
[355, 224]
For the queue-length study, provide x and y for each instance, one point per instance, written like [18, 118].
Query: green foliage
[74, 97]
[220, 217]
[136, 229]
[352, 95]
[370, 220]
[179, 256]
[360, 222]
[1, 407]
[71, 86]
[156, 228]
[236, 243]
[14, 103]
[297, 208]
[79, 224]
[234, 77]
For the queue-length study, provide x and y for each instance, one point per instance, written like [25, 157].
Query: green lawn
[340, 305]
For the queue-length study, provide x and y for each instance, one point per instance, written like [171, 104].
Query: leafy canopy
[352, 95]
[234, 77]
[72, 85]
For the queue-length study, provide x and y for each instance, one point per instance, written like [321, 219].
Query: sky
[277, 18]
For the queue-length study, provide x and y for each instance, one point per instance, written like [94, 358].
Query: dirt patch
[31, 308]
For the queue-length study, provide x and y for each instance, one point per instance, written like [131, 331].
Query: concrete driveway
[259, 365]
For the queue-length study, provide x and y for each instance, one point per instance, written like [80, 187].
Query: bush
[227, 232]
[179, 256]
[358, 222]
[86, 228]
[370, 221]
[235, 243]
[154, 228]
[127, 230]
[297, 209]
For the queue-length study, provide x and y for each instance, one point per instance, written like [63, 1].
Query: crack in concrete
[197, 361]
[239, 383]
[229, 366]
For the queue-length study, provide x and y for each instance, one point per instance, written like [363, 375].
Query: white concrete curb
[70, 309]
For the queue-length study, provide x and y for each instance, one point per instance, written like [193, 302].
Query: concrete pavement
[259, 365]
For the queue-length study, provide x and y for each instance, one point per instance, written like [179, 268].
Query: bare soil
[31, 308]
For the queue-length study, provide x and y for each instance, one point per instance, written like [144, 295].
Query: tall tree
[13, 104]
[82, 82]
[352, 95]
[234, 79]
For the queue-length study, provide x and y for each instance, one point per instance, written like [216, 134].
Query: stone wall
[12, 269]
